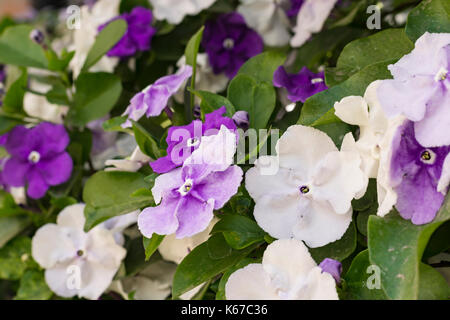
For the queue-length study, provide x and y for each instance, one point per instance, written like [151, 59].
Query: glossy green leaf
[13, 100]
[11, 226]
[152, 244]
[262, 67]
[33, 286]
[15, 258]
[145, 141]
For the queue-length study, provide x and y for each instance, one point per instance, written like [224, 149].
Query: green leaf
[258, 99]
[7, 123]
[17, 48]
[58, 95]
[11, 226]
[13, 101]
[198, 267]
[432, 16]
[33, 287]
[192, 48]
[262, 67]
[95, 96]
[338, 250]
[15, 258]
[106, 39]
[356, 280]
[218, 247]
[386, 45]
[318, 105]
[152, 244]
[239, 231]
[211, 102]
[108, 194]
[396, 246]
[432, 286]
[115, 124]
[145, 141]
[223, 281]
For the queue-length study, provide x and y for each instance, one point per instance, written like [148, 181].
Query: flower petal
[56, 170]
[37, 187]
[161, 219]
[193, 216]
[353, 110]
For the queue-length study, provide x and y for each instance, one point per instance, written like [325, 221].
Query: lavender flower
[241, 119]
[300, 86]
[38, 158]
[333, 267]
[229, 43]
[294, 8]
[420, 89]
[138, 35]
[183, 140]
[153, 99]
[415, 173]
[187, 196]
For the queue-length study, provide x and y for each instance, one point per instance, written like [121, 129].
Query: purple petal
[36, 184]
[17, 143]
[161, 220]
[175, 81]
[194, 216]
[333, 267]
[53, 138]
[15, 171]
[163, 164]
[56, 170]
[156, 99]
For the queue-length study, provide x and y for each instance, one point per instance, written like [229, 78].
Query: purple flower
[420, 89]
[38, 158]
[153, 99]
[299, 86]
[294, 8]
[333, 267]
[2, 73]
[138, 35]
[229, 43]
[187, 197]
[183, 140]
[242, 119]
[415, 173]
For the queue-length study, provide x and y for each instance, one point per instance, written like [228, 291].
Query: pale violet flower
[309, 197]
[84, 37]
[152, 100]
[205, 78]
[287, 272]
[366, 113]
[269, 18]
[174, 11]
[420, 90]
[130, 164]
[310, 19]
[77, 262]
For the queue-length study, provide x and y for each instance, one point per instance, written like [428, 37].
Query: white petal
[166, 182]
[352, 110]
[250, 283]
[147, 289]
[445, 176]
[175, 10]
[286, 261]
[72, 216]
[378, 120]
[320, 286]
[57, 278]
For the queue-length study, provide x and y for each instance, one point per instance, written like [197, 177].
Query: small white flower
[175, 10]
[309, 198]
[76, 262]
[268, 18]
[83, 38]
[132, 164]
[311, 19]
[205, 79]
[287, 272]
[365, 112]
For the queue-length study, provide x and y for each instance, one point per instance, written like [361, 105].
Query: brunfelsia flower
[268, 18]
[420, 89]
[38, 158]
[131, 164]
[187, 196]
[333, 267]
[138, 35]
[415, 173]
[66, 252]
[310, 19]
[309, 198]
[183, 140]
[366, 113]
[299, 86]
[229, 43]
[287, 272]
[175, 10]
[153, 99]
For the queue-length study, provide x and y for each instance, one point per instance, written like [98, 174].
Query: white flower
[369, 116]
[311, 19]
[309, 198]
[287, 272]
[268, 18]
[175, 10]
[132, 164]
[84, 38]
[76, 262]
[205, 78]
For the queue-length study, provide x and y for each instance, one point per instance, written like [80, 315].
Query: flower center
[193, 142]
[186, 187]
[304, 189]
[427, 156]
[316, 80]
[80, 253]
[441, 75]
[34, 157]
[228, 43]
